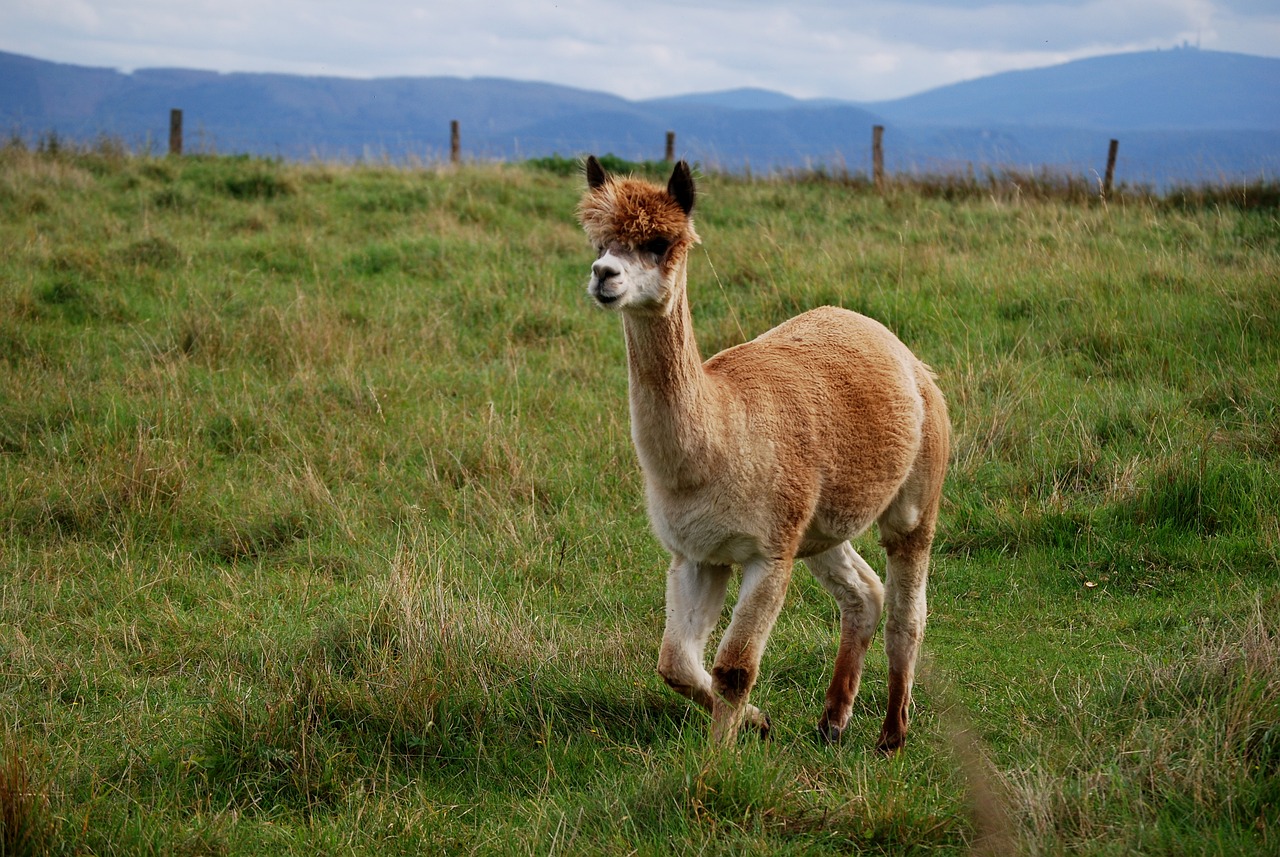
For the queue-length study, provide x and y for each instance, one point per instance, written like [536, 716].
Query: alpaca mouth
[604, 297]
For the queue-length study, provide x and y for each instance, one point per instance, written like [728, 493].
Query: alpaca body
[810, 430]
[780, 448]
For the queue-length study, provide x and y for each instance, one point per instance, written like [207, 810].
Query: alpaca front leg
[858, 591]
[737, 665]
[695, 599]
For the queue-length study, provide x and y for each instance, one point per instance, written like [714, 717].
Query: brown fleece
[632, 213]
[780, 448]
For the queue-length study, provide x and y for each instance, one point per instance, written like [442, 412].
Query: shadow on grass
[365, 706]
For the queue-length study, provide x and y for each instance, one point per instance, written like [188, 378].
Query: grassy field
[321, 531]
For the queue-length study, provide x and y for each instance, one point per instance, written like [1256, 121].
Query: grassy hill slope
[320, 529]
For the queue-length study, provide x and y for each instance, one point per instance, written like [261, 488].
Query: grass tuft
[26, 821]
[1192, 758]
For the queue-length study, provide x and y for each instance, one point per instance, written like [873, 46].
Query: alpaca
[780, 448]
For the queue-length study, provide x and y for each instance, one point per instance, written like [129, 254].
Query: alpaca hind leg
[905, 609]
[695, 599]
[906, 531]
[737, 664]
[858, 591]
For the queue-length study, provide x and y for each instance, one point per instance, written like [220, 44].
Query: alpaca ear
[596, 176]
[681, 186]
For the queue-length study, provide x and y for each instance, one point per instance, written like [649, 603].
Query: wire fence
[962, 157]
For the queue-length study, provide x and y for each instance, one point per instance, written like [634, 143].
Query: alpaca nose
[604, 270]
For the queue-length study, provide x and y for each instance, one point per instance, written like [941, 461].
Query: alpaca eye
[657, 246]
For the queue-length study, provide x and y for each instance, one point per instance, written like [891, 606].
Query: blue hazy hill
[1180, 89]
[1182, 115]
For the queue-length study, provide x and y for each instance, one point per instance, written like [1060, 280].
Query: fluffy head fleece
[632, 212]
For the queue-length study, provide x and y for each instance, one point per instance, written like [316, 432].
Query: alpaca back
[834, 399]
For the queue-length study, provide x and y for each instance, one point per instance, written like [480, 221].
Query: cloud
[1048, 26]
[858, 50]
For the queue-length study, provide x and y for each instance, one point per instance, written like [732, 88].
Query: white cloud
[860, 50]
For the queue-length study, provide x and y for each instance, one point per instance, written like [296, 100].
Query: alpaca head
[642, 233]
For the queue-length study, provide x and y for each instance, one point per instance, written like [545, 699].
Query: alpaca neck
[672, 402]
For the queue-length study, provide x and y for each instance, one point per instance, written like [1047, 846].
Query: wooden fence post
[671, 147]
[455, 142]
[175, 132]
[877, 156]
[1111, 168]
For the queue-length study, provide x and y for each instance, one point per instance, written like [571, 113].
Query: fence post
[877, 156]
[455, 142]
[175, 132]
[1111, 168]
[671, 147]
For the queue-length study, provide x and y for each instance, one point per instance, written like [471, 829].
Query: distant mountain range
[1182, 115]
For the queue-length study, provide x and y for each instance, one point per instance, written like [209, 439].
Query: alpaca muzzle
[604, 275]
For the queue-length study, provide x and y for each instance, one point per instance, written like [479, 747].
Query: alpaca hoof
[828, 733]
[760, 724]
[890, 744]
[753, 719]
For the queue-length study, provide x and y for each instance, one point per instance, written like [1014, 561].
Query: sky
[845, 49]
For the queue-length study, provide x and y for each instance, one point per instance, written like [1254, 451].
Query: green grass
[321, 532]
